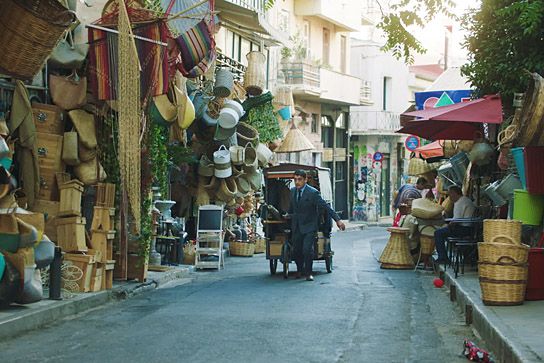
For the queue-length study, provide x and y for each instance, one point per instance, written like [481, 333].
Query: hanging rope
[129, 114]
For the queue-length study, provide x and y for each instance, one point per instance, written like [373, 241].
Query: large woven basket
[502, 292]
[504, 269]
[246, 133]
[29, 32]
[241, 248]
[255, 76]
[502, 230]
[427, 245]
[260, 245]
[492, 252]
[396, 254]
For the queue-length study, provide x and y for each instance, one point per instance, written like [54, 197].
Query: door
[385, 188]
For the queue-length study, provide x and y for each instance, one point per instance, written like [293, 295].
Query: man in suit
[303, 211]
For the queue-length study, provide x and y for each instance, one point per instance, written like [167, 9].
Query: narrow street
[359, 313]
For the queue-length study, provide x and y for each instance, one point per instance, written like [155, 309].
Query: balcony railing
[374, 121]
[301, 73]
[255, 5]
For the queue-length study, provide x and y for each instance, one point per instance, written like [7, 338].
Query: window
[387, 93]
[306, 37]
[343, 50]
[315, 124]
[229, 47]
[283, 21]
[326, 121]
[340, 170]
[244, 49]
[326, 46]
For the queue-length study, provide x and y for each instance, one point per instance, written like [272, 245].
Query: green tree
[505, 39]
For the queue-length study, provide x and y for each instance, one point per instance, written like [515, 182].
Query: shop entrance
[385, 188]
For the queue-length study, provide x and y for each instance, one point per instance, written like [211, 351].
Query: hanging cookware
[481, 152]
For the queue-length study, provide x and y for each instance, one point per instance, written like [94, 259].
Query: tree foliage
[505, 39]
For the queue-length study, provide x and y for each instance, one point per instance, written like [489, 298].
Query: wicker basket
[427, 245]
[492, 252]
[246, 133]
[502, 292]
[502, 230]
[260, 245]
[418, 166]
[255, 76]
[29, 31]
[241, 248]
[396, 254]
[504, 269]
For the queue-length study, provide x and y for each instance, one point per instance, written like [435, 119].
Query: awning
[249, 22]
[433, 149]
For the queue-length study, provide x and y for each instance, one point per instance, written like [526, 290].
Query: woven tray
[239, 248]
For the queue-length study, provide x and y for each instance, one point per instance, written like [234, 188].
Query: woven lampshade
[294, 141]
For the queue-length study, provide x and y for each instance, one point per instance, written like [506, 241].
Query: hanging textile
[152, 56]
[129, 116]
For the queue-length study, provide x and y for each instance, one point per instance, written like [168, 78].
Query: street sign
[378, 156]
[412, 142]
[377, 165]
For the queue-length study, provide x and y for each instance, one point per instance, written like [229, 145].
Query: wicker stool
[396, 254]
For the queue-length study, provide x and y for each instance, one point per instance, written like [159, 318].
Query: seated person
[462, 208]
[407, 191]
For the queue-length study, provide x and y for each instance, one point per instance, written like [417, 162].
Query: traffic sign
[377, 165]
[412, 142]
[378, 156]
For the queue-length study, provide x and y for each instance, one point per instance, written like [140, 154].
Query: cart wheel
[328, 264]
[273, 265]
[285, 269]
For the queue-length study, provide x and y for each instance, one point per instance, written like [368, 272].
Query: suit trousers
[303, 251]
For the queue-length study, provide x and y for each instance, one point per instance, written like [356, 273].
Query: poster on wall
[426, 100]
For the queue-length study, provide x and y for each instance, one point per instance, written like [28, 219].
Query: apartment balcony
[346, 15]
[374, 122]
[321, 85]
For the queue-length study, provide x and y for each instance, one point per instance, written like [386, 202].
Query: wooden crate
[274, 248]
[107, 280]
[103, 218]
[87, 264]
[103, 242]
[50, 209]
[71, 234]
[70, 198]
[49, 189]
[50, 151]
[49, 119]
[97, 281]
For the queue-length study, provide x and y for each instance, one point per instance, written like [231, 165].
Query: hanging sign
[412, 142]
[378, 156]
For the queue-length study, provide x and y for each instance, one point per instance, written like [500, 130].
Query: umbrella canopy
[431, 150]
[459, 121]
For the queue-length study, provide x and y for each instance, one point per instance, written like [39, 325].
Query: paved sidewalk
[513, 333]
[17, 319]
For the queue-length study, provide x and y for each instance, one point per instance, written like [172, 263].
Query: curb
[488, 326]
[52, 311]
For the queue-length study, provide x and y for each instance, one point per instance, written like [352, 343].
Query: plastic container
[534, 169]
[528, 207]
[285, 113]
[519, 159]
[535, 279]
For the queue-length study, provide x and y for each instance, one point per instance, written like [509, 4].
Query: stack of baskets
[396, 254]
[242, 248]
[502, 263]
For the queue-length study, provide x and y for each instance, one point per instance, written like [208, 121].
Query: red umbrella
[431, 150]
[455, 122]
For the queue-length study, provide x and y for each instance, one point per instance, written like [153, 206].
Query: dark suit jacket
[304, 213]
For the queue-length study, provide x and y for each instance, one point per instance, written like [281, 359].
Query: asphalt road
[358, 313]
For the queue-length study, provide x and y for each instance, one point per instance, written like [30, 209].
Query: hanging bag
[70, 153]
[68, 55]
[68, 92]
[197, 47]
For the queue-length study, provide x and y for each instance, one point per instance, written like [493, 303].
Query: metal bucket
[460, 164]
[491, 192]
[508, 184]
[446, 172]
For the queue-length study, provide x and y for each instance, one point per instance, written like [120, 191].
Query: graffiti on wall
[365, 206]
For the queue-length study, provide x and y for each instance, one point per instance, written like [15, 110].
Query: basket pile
[242, 248]
[502, 264]
[396, 254]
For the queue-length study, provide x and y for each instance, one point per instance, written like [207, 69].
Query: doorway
[385, 188]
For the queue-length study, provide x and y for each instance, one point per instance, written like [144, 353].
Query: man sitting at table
[462, 208]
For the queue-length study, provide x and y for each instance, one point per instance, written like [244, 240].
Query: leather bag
[68, 92]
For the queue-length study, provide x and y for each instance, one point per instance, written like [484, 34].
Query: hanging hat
[226, 124]
[223, 83]
[162, 111]
[4, 131]
[294, 141]
[185, 109]
[85, 127]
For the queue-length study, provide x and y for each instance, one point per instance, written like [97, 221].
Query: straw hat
[4, 131]
[85, 127]
[294, 141]
[185, 109]
[162, 111]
